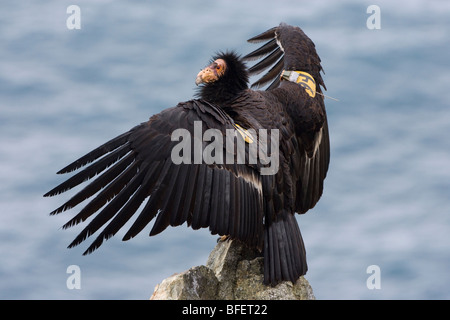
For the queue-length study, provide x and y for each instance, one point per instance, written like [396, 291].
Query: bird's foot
[223, 238]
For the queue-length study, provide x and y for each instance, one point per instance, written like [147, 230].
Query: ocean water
[387, 195]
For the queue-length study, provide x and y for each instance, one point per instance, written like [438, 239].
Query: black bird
[235, 198]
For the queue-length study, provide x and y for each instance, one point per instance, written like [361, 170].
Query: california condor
[192, 177]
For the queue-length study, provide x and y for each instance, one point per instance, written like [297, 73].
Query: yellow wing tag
[302, 78]
[244, 133]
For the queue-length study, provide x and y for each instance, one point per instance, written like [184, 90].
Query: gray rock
[232, 272]
[197, 283]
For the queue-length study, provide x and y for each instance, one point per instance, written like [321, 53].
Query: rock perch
[232, 272]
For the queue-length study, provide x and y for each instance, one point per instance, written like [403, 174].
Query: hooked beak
[212, 72]
[207, 75]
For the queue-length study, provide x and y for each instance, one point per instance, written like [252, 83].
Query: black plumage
[230, 198]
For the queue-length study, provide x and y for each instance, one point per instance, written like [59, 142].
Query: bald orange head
[211, 73]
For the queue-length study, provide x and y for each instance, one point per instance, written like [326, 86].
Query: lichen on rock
[232, 272]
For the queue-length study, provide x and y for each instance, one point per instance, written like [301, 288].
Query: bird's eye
[218, 67]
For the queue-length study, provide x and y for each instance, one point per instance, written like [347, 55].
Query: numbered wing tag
[304, 79]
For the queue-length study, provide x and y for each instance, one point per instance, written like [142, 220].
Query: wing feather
[266, 35]
[104, 196]
[136, 169]
[263, 50]
[294, 51]
[90, 171]
[96, 185]
[266, 62]
[271, 75]
[108, 212]
[96, 153]
[288, 48]
[163, 218]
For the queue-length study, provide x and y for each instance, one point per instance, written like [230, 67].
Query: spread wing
[289, 48]
[137, 167]
[286, 48]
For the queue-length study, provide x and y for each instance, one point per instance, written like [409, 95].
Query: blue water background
[387, 195]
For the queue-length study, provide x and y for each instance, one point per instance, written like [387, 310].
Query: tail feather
[284, 250]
